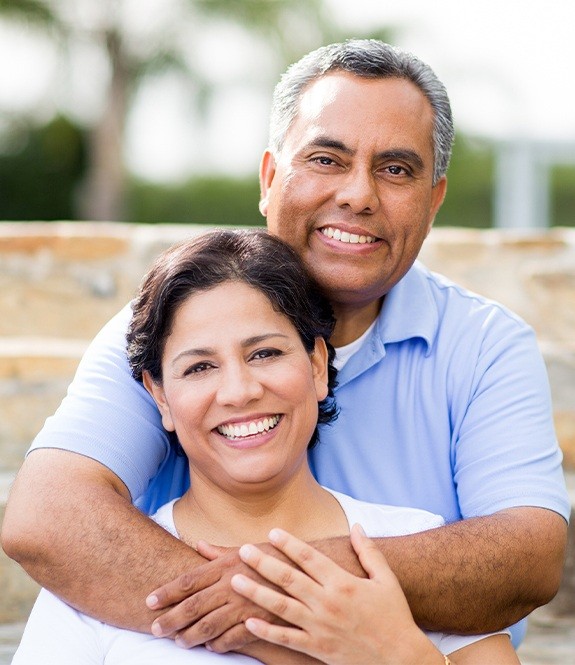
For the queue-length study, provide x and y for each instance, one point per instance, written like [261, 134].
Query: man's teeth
[248, 429]
[344, 236]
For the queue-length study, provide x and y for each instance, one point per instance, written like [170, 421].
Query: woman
[230, 337]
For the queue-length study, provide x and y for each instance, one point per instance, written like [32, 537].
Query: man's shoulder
[456, 303]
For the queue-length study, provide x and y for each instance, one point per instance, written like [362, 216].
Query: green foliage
[33, 11]
[206, 200]
[470, 186]
[563, 196]
[40, 171]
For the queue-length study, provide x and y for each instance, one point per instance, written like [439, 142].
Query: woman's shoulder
[385, 520]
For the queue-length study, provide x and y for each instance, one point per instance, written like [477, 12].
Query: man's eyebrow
[395, 153]
[403, 155]
[327, 142]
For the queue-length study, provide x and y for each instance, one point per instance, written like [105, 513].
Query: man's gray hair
[368, 58]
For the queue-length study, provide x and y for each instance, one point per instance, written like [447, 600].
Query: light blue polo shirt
[445, 407]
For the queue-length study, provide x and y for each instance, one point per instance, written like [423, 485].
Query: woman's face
[239, 388]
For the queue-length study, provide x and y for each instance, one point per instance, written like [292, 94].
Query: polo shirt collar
[409, 311]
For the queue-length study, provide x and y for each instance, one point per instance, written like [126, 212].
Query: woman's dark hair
[208, 260]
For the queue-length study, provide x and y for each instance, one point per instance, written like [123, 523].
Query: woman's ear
[156, 390]
[319, 359]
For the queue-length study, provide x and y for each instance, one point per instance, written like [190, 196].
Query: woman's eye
[262, 354]
[198, 368]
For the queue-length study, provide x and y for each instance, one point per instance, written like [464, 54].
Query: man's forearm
[477, 575]
[73, 529]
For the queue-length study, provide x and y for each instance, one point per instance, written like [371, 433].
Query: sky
[508, 66]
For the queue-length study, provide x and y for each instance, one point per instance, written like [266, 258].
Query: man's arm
[71, 525]
[472, 576]
[481, 568]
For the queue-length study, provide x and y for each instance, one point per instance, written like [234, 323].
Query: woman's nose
[238, 386]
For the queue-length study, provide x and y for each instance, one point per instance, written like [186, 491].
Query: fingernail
[246, 551]
[181, 643]
[360, 529]
[156, 629]
[275, 535]
[152, 601]
[251, 624]
[238, 582]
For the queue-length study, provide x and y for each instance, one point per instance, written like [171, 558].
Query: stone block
[34, 376]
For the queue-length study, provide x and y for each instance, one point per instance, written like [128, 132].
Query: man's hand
[202, 606]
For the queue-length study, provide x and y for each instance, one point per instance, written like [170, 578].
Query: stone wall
[60, 282]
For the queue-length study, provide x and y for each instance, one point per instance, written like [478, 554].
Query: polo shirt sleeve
[107, 415]
[504, 448]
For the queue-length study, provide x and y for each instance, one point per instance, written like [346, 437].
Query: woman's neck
[230, 517]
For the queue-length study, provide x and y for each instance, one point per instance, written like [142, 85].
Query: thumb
[371, 559]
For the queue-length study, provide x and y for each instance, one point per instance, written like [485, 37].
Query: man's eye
[396, 170]
[322, 159]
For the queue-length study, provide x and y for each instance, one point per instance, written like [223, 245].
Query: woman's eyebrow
[245, 343]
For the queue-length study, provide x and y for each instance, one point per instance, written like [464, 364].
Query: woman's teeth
[248, 429]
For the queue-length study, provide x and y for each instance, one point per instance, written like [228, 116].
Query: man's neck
[352, 321]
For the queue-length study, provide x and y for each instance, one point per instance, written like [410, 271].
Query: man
[444, 398]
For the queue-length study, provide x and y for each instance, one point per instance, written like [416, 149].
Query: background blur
[156, 110]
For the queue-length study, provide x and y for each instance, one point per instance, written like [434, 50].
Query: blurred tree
[214, 200]
[131, 54]
[40, 170]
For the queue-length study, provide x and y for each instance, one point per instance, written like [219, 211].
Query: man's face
[352, 188]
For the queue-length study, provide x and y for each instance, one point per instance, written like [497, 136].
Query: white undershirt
[344, 353]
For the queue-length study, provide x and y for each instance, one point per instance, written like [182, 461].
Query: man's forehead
[338, 103]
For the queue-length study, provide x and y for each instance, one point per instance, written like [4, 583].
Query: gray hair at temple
[368, 58]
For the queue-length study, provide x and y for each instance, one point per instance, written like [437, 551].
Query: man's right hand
[201, 606]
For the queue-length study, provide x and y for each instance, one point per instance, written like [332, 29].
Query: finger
[183, 586]
[234, 639]
[372, 560]
[292, 638]
[283, 575]
[289, 609]
[209, 551]
[315, 564]
[223, 627]
[188, 612]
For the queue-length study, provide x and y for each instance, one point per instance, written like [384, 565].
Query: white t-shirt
[56, 634]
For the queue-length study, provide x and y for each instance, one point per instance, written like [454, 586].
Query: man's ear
[319, 368]
[156, 390]
[437, 196]
[267, 173]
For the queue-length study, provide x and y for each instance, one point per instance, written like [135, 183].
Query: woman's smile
[249, 431]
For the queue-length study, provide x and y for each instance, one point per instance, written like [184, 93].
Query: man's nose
[358, 191]
[238, 386]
